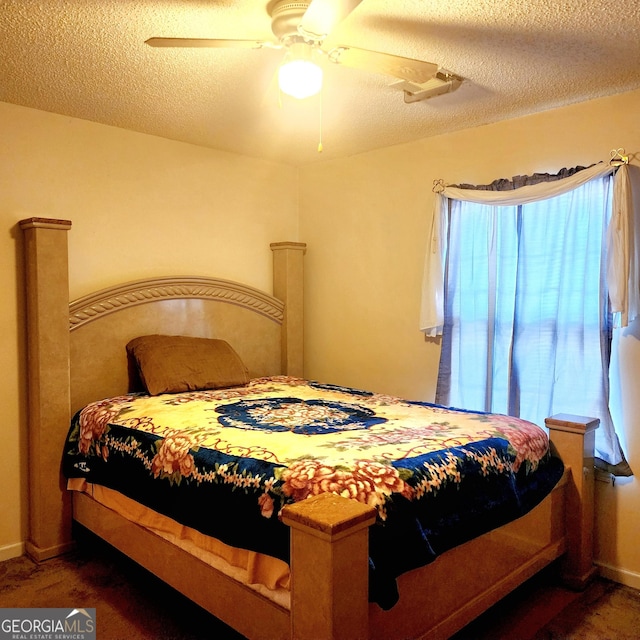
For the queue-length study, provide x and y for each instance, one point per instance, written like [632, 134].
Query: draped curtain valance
[621, 272]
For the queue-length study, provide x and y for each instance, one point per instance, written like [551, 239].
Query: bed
[77, 354]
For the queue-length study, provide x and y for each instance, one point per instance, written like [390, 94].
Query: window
[526, 311]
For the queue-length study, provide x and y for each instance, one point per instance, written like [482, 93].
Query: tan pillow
[169, 364]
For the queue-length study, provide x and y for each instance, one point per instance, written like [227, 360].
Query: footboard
[329, 552]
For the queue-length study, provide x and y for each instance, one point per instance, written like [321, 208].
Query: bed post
[574, 438]
[329, 567]
[288, 287]
[49, 402]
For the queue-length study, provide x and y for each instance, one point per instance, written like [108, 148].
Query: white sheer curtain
[525, 307]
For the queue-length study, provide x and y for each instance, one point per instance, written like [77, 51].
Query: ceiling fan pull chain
[320, 117]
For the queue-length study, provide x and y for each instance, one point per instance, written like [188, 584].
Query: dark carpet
[131, 604]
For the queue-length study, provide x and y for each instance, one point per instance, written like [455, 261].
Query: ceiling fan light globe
[300, 78]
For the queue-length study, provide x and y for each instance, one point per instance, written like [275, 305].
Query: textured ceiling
[87, 59]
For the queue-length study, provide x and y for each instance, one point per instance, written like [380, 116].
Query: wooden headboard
[101, 325]
[76, 351]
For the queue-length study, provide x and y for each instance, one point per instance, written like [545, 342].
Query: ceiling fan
[301, 28]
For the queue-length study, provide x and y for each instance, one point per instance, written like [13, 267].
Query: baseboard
[12, 551]
[616, 574]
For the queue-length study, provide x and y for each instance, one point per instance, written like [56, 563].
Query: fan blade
[322, 16]
[208, 43]
[409, 69]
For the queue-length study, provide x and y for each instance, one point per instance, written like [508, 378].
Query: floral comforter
[225, 462]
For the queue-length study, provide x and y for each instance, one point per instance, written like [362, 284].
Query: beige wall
[366, 220]
[140, 206]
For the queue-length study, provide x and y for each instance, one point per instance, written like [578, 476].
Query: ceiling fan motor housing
[285, 18]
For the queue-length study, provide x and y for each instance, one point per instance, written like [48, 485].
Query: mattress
[225, 462]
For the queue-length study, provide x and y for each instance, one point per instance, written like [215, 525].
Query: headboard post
[288, 287]
[47, 280]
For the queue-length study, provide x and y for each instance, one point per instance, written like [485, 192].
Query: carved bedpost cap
[45, 223]
[329, 515]
[302, 246]
[574, 424]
